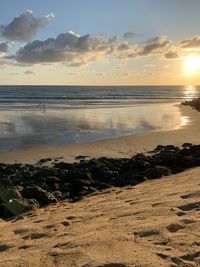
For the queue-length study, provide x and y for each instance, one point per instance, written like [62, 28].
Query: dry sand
[156, 223]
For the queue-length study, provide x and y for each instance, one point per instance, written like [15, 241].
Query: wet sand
[119, 147]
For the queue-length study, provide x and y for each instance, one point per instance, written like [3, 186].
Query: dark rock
[44, 160]
[21, 184]
[17, 206]
[186, 145]
[156, 172]
[39, 194]
[63, 166]
[195, 103]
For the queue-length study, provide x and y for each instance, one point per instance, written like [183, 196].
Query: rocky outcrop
[195, 103]
[26, 187]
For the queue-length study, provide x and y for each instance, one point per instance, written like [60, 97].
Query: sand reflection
[30, 128]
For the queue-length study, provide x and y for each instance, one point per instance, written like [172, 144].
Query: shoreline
[125, 146]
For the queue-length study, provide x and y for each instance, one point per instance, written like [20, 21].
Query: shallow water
[50, 126]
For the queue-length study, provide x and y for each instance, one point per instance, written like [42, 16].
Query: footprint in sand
[161, 243]
[71, 218]
[191, 195]
[25, 247]
[187, 221]
[21, 231]
[38, 221]
[190, 206]
[191, 256]
[65, 223]
[179, 261]
[65, 245]
[50, 226]
[162, 256]
[4, 247]
[35, 236]
[113, 265]
[147, 233]
[196, 244]
[174, 227]
[181, 213]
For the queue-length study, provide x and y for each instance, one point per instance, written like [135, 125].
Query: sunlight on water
[190, 92]
[52, 127]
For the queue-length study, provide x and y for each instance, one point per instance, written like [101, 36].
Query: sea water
[55, 115]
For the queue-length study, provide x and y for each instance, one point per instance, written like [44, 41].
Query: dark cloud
[4, 47]
[123, 47]
[172, 55]
[24, 27]
[194, 42]
[70, 48]
[155, 44]
[75, 50]
[29, 72]
[152, 46]
[128, 35]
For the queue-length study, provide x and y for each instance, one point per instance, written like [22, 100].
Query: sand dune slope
[156, 223]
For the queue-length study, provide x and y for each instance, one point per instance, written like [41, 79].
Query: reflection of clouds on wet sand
[58, 126]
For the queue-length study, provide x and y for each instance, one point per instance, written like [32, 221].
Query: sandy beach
[155, 223]
[100, 133]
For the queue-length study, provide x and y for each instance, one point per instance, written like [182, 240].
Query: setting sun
[192, 65]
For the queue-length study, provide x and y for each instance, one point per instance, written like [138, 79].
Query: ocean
[55, 115]
[20, 97]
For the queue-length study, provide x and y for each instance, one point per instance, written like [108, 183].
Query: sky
[107, 42]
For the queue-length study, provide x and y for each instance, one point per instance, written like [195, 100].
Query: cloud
[4, 47]
[29, 72]
[128, 35]
[151, 47]
[193, 42]
[75, 50]
[155, 45]
[69, 47]
[24, 27]
[72, 49]
[172, 55]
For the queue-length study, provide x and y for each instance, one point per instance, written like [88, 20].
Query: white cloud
[24, 27]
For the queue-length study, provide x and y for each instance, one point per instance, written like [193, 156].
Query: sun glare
[192, 65]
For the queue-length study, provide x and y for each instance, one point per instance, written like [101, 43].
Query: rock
[42, 196]
[57, 194]
[156, 172]
[44, 160]
[8, 193]
[195, 103]
[189, 162]
[186, 145]
[63, 166]
[17, 206]
[80, 157]
[44, 172]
